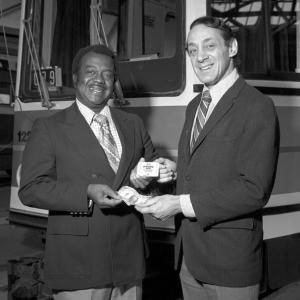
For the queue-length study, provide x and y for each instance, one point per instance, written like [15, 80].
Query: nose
[201, 55]
[99, 77]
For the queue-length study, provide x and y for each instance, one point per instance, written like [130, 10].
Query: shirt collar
[218, 90]
[88, 114]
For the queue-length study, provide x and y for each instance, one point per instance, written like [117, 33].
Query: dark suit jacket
[61, 158]
[229, 176]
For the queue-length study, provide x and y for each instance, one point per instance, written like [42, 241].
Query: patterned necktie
[107, 141]
[200, 119]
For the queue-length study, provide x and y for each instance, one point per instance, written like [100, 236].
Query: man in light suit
[95, 243]
[227, 158]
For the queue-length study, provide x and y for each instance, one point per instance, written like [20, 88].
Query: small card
[148, 169]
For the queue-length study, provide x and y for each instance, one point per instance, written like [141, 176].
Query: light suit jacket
[61, 159]
[229, 176]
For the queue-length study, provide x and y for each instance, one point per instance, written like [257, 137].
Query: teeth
[204, 68]
[96, 89]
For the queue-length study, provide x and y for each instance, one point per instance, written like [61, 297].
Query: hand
[139, 182]
[161, 207]
[103, 196]
[167, 170]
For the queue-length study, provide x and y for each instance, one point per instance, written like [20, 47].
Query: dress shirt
[88, 115]
[216, 92]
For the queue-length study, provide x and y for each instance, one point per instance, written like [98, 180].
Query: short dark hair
[100, 49]
[216, 23]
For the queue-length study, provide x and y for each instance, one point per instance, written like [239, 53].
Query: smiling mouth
[205, 68]
[96, 89]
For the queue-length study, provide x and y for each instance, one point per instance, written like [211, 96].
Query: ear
[233, 47]
[74, 77]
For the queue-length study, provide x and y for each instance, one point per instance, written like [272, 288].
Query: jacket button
[187, 178]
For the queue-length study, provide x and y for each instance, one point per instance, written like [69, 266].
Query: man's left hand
[161, 207]
[167, 170]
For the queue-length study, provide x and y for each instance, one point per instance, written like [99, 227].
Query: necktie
[200, 118]
[107, 141]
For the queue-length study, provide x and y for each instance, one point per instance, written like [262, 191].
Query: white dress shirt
[88, 115]
[216, 92]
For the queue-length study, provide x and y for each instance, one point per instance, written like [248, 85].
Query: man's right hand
[103, 196]
[139, 182]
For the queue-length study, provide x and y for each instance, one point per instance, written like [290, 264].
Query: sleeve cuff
[186, 206]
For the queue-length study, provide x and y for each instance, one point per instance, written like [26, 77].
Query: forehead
[97, 59]
[201, 32]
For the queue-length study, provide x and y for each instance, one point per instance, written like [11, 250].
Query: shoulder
[61, 115]
[257, 105]
[257, 99]
[51, 121]
[125, 115]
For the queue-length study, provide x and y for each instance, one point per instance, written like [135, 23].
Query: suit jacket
[229, 176]
[61, 159]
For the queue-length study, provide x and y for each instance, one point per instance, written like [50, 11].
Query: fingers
[166, 174]
[160, 160]
[110, 202]
[147, 202]
[148, 206]
[170, 164]
[103, 196]
[107, 191]
[142, 159]
[150, 209]
[139, 182]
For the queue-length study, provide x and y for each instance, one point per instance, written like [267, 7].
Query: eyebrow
[204, 41]
[89, 66]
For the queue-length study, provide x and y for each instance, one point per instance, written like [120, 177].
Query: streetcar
[156, 81]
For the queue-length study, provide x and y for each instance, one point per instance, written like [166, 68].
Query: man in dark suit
[73, 164]
[227, 158]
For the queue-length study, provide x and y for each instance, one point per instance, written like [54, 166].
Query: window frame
[152, 77]
[271, 75]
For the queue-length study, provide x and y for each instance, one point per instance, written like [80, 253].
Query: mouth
[96, 89]
[205, 68]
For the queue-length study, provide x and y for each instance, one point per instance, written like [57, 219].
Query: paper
[131, 196]
[148, 169]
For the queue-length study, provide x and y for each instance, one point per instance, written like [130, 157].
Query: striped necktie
[200, 118]
[107, 141]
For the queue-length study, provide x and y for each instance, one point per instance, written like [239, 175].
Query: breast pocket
[222, 149]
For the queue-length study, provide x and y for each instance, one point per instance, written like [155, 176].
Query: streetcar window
[268, 34]
[146, 35]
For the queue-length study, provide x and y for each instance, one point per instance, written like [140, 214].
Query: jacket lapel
[223, 106]
[125, 129]
[79, 133]
[188, 126]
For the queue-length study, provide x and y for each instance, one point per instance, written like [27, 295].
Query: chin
[205, 79]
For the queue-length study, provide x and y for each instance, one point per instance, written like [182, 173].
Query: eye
[90, 71]
[108, 75]
[192, 51]
[211, 46]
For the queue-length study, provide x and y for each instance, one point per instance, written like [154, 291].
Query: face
[94, 80]
[211, 58]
